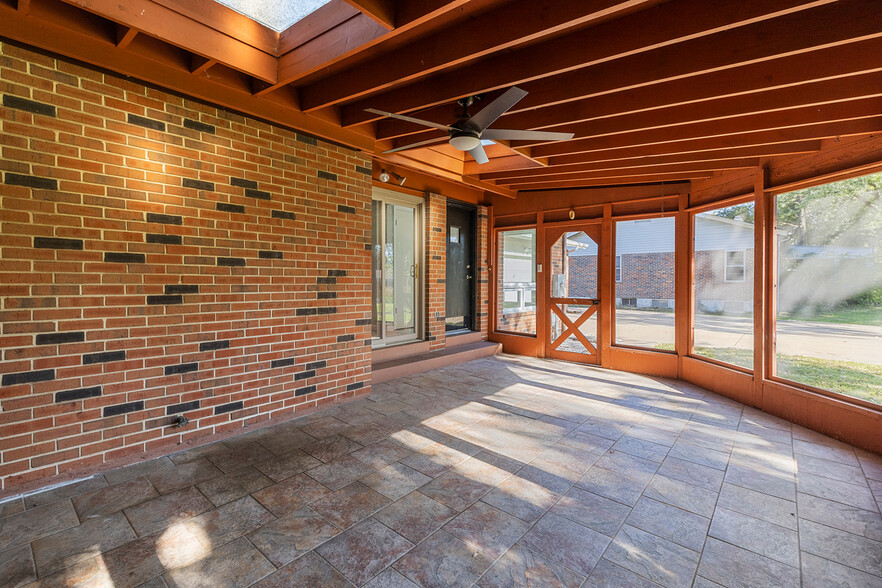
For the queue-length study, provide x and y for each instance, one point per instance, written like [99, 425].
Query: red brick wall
[647, 275]
[436, 271]
[161, 257]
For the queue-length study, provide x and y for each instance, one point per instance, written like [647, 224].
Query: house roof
[654, 91]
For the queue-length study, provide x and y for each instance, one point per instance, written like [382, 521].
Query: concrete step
[382, 371]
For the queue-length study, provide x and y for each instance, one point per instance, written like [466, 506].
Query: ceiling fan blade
[512, 135]
[479, 154]
[425, 143]
[419, 121]
[497, 108]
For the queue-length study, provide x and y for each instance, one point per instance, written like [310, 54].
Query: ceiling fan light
[464, 141]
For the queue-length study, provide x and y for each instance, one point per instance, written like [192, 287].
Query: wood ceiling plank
[381, 11]
[590, 164]
[227, 21]
[57, 36]
[770, 123]
[172, 27]
[793, 71]
[672, 23]
[707, 166]
[744, 140]
[510, 25]
[616, 180]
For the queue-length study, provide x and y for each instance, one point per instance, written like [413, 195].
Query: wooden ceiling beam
[792, 71]
[616, 181]
[771, 123]
[707, 166]
[672, 23]
[381, 11]
[324, 19]
[124, 36]
[512, 24]
[227, 21]
[57, 35]
[745, 140]
[590, 164]
[182, 31]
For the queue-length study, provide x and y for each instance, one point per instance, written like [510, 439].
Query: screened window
[723, 284]
[734, 269]
[644, 315]
[829, 297]
[516, 289]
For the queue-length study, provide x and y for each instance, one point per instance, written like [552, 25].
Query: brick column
[483, 293]
[436, 270]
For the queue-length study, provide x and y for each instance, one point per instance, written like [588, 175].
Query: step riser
[399, 371]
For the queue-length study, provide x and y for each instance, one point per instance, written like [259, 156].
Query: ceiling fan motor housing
[464, 139]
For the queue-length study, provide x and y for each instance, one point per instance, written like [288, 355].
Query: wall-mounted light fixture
[386, 176]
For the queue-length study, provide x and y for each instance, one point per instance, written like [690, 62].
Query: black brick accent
[78, 394]
[307, 139]
[243, 183]
[305, 390]
[28, 105]
[277, 363]
[56, 243]
[362, 322]
[199, 126]
[326, 295]
[354, 386]
[224, 207]
[123, 408]
[28, 377]
[165, 299]
[31, 181]
[363, 170]
[304, 375]
[214, 345]
[56, 338]
[143, 121]
[345, 209]
[181, 368]
[337, 273]
[327, 175]
[344, 338]
[259, 194]
[228, 407]
[368, 247]
[231, 261]
[306, 311]
[327, 310]
[166, 219]
[182, 407]
[315, 365]
[284, 215]
[270, 254]
[182, 289]
[115, 257]
[103, 357]
[164, 239]
[197, 184]
[326, 280]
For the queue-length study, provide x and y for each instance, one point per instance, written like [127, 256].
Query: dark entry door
[461, 274]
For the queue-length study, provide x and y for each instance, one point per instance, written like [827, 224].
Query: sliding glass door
[397, 251]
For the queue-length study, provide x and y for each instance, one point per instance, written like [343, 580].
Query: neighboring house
[645, 264]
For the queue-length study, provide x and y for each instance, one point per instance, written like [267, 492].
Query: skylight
[275, 14]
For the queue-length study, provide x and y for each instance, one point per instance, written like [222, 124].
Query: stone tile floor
[506, 471]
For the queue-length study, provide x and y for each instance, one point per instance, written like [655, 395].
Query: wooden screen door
[572, 295]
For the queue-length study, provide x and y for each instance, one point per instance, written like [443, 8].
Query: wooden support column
[606, 288]
[542, 291]
[761, 335]
[683, 298]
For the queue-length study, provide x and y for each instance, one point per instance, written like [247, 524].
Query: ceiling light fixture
[464, 141]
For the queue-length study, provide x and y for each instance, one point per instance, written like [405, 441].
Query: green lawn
[865, 315]
[859, 380]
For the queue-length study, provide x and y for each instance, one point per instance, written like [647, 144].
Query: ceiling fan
[468, 131]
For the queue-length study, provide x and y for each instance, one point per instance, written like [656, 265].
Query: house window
[734, 270]
[516, 290]
[618, 268]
